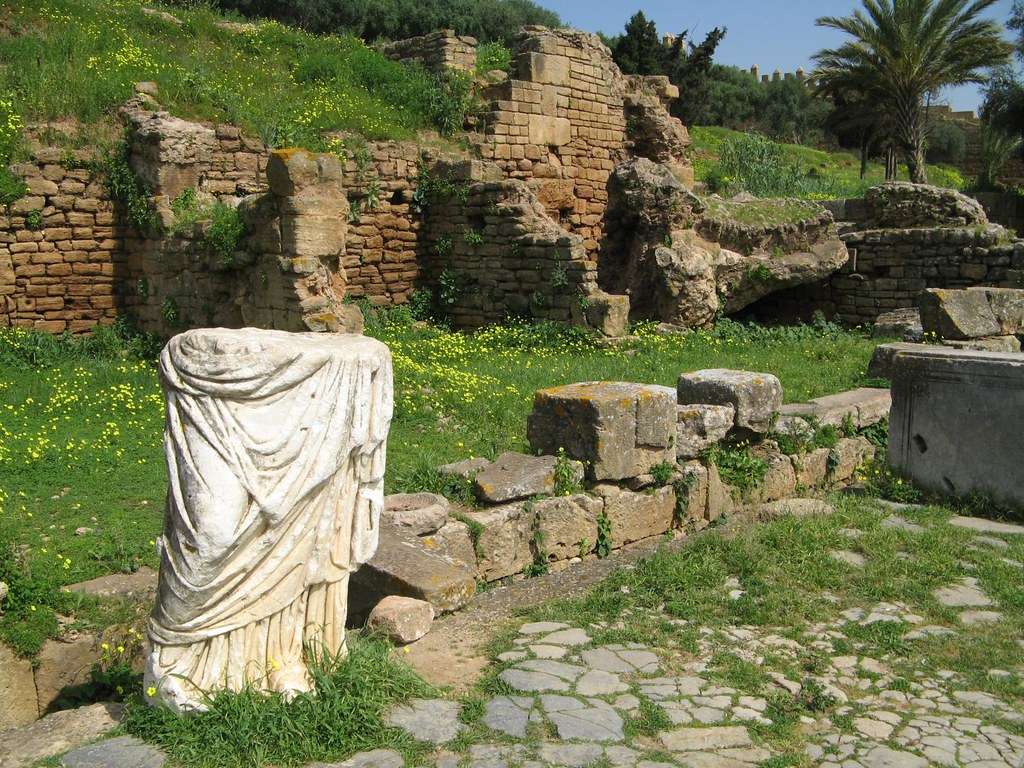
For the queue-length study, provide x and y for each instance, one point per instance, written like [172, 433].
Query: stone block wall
[494, 251]
[170, 155]
[888, 269]
[436, 52]
[61, 249]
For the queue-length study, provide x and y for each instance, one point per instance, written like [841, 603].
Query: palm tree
[902, 52]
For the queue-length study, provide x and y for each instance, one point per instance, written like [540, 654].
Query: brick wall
[61, 251]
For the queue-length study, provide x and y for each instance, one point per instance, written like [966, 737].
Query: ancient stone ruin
[616, 464]
[548, 216]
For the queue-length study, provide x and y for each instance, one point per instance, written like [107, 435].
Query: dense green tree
[901, 52]
[486, 20]
[689, 67]
[639, 51]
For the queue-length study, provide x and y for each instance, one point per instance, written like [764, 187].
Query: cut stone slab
[903, 324]
[756, 397]
[956, 422]
[570, 637]
[618, 429]
[567, 524]
[541, 627]
[884, 757]
[56, 733]
[901, 524]
[987, 526]
[991, 542]
[966, 594]
[466, 469]
[635, 516]
[509, 714]
[377, 758]
[599, 683]
[971, 618]
[518, 476]
[700, 426]
[403, 566]
[121, 752]
[571, 755]
[140, 585]
[575, 720]
[956, 314]
[705, 739]
[929, 631]
[881, 365]
[432, 720]
[866, 406]
[533, 682]
[621, 660]
[987, 344]
[403, 620]
[420, 513]
[793, 507]
[504, 546]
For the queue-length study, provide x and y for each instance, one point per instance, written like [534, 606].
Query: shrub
[493, 56]
[756, 164]
[224, 228]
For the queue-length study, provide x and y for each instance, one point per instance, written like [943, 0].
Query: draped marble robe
[275, 446]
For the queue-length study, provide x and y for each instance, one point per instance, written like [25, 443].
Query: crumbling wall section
[436, 51]
[888, 269]
[494, 252]
[559, 123]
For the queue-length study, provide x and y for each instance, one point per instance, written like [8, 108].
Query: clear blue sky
[770, 33]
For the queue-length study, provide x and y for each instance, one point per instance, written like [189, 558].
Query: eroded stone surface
[432, 720]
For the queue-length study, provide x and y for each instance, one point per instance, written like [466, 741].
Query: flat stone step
[56, 733]
[865, 406]
[986, 526]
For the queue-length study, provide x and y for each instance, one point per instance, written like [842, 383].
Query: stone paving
[563, 697]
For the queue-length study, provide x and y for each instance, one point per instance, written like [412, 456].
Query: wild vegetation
[74, 62]
[730, 161]
[82, 420]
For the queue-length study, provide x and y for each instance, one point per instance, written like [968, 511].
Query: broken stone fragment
[517, 476]
[466, 469]
[403, 566]
[403, 620]
[757, 397]
[700, 426]
[420, 513]
[618, 429]
[605, 313]
[957, 314]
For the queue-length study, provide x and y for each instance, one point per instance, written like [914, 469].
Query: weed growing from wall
[127, 190]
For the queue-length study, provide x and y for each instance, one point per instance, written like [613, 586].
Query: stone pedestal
[957, 420]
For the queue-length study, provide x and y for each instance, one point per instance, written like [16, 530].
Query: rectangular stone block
[957, 420]
[549, 131]
[617, 429]
[404, 566]
[636, 516]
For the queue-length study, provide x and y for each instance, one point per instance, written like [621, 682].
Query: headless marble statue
[275, 446]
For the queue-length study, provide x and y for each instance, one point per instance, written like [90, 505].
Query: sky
[774, 34]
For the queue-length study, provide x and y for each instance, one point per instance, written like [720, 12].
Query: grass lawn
[81, 462]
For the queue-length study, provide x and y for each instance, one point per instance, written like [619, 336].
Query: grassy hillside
[75, 61]
[817, 174]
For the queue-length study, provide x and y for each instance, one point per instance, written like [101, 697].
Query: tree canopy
[486, 20]
[902, 52]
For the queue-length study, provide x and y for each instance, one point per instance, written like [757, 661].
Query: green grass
[826, 175]
[81, 425]
[346, 715]
[77, 60]
[762, 212]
